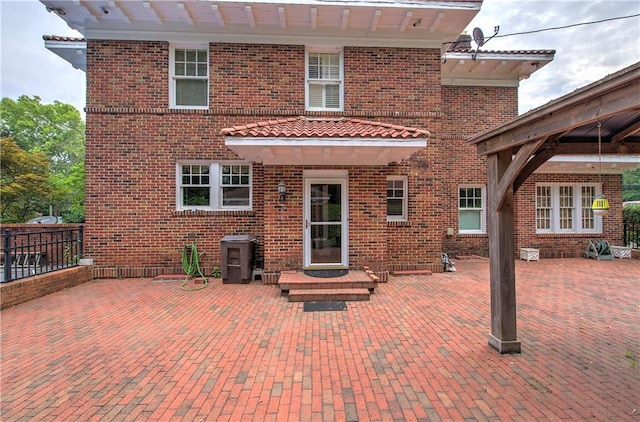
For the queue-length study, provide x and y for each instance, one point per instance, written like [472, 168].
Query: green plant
[216, 272]
[632, 359]
[631, 213]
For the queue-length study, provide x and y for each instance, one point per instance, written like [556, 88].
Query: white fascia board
[499, 56]
[334, 39]
[321, 142]
[481, 82]
[451, 5]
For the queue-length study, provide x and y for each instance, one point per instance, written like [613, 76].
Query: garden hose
[191, 267]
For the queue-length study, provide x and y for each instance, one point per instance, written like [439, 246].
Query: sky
[584, 54]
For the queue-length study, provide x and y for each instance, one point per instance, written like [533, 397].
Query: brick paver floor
[136, 349]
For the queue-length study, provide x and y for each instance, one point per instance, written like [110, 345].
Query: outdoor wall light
[282, 191]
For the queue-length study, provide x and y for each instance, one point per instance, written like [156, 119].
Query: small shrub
[631, 213]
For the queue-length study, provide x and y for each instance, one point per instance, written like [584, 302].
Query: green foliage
[631, 213]
[24, 186]
[56, 131]
[631, 185]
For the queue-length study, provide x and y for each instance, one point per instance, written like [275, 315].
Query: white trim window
[563, 208]
[324, 87]
[214, 185]
[397, 198]
[471, 209]
[189, 76]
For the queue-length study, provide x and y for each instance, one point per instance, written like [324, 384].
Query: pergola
[567, 125]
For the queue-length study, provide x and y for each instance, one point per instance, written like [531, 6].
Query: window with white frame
[397, 198]
[566, 208]
[189, 78]
[324, 88]
[214, 186]
[471, 209]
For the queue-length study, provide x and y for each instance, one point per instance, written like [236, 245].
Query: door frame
[325, 176]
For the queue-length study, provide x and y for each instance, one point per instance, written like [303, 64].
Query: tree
[631, 185]
[56, 130]
[24, 185]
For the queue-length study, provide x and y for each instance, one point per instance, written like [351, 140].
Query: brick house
[199, 113]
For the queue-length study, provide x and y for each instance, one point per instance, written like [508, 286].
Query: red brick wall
[262, 77]
[134, 142]
[391, 79]
[468, 110]
[565, 245]
[127, 74]
[20, 291]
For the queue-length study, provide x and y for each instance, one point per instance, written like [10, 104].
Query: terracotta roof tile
[303, 127]
[61, 38]
[469, 50]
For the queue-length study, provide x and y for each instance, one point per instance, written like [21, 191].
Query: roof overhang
[408, 23]
[324, 151]
[72, 50]
[492, 68]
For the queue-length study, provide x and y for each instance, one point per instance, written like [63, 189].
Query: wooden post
[503, 337]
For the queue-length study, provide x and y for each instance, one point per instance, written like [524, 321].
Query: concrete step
[308, 295]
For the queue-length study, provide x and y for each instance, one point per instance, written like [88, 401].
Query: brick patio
[135, 349]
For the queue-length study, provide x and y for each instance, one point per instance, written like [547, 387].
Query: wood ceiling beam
[147, 5]
[345, 19]
[376, 20]
[216, 12]
[405, 21]
[282, 17]
[630, 130]
[592, 148]
[589, 111]
[436, 22]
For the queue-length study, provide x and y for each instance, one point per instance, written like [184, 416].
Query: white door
[326, 229]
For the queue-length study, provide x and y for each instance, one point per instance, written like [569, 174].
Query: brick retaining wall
[19, 291]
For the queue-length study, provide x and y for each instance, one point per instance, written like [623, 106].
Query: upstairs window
[324, 88]
[396, 198]
[189, 78]
[213, 186]
[563, 208]
[471, 209]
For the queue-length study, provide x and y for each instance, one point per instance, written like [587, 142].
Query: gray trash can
[237, 258]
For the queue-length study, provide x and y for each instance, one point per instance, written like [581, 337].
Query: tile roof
[507, 52]
[61, 38]
[304, 127]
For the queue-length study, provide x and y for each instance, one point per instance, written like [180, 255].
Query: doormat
[324, 306]
[326, 273]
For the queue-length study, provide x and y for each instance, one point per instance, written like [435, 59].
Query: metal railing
[39, 252]
[631, 235]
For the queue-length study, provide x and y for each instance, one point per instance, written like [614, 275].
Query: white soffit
[324, 151]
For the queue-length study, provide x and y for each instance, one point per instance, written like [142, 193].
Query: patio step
[412, 272]
[316, 284]
[308, 295]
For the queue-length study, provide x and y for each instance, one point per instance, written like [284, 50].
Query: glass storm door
[325, 223]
